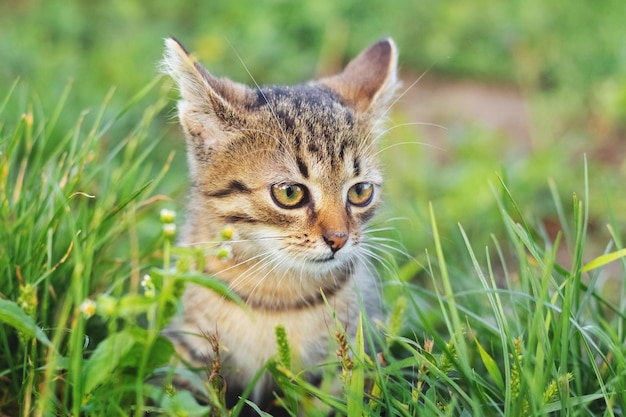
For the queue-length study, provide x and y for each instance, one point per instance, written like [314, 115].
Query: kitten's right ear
[207, 101]
[369, 81]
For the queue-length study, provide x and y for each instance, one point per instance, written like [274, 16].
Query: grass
[510, 332]
[69, 215]
[504, 283]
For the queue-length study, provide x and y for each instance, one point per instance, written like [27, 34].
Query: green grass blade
[490, 364]
[14, 316]
[7, 98]
[356, 389]
[600, 261]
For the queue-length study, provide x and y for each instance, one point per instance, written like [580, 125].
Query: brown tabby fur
[243, 140]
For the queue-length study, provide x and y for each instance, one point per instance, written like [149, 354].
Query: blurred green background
[521, 88]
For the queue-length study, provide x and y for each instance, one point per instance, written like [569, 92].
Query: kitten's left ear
[208, 105]
[369, 81]
[197, 85]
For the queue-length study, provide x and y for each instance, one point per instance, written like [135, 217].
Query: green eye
[361, 194]
[289, 195]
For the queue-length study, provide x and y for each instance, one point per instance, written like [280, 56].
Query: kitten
[294, 170]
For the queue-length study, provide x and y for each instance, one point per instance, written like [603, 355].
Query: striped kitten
[294, 170]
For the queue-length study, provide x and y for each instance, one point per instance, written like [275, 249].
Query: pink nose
[336, 240]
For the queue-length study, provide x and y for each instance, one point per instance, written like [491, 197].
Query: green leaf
[429, 357]
[357, 377]
[183, 403]
[13, 315]
[160, 354]
[604, 259]
[107, 356]
[212, 283]
[257, 409]
[490, 365]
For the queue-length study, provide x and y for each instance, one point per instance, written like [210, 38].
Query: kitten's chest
[247, 336]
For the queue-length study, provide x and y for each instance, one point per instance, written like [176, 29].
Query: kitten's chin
[327, 264]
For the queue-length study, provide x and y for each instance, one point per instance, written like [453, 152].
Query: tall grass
[71, 206]
[87, 285]
[528, 336]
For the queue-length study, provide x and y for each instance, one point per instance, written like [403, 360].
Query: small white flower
[224, 252]
[148, 286]
[147, 280]
[169, 230]
[168, 216]
[88, 308]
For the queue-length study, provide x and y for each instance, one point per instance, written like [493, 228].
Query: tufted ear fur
[208, 103]
[369, 81]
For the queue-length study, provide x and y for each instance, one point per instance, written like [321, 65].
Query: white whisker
[380, 229]
[395, 219]
[371, 255]
[221, 242]
[250, 274]
[393, 145]
[258, 86]
[369, 143]
[245, 261]
[406, 90]
[267, 274]
[392, 248]
[367, 262]
[409, 124]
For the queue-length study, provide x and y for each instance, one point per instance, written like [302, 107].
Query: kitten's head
[293, 169]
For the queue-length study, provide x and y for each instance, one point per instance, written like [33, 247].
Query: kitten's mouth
[328, 258]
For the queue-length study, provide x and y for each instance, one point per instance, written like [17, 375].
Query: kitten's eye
[361, 194]
[289, 195]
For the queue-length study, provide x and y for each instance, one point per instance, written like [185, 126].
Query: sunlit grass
[71, 209]
[525, 323]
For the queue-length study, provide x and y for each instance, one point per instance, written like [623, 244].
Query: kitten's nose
[336, 240]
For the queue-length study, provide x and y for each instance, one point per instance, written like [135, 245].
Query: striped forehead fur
[310, 123]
